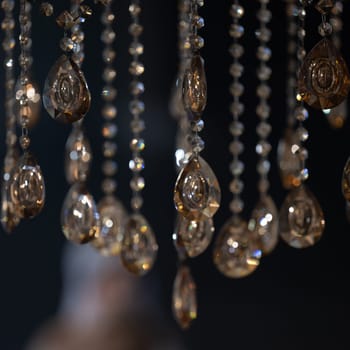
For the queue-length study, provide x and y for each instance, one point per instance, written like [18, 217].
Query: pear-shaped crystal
[184, 297]
[195, 86]
[139, 246]
[9, 216]
[301, 220]
[66, 94]
[113, 219]
[80, 219]
[197, 192]
[324, 80]
[236, 253]
[78, 156]
[264, 223]
[27, 188]
[346, 180]
[337, 115]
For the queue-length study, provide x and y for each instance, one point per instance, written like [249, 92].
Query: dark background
[297, 299]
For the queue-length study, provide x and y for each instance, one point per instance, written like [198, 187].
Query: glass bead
[109, 168]
[264, 15]
[263, 148]
[263, 129]
[325, 29]
[236, 128]
[236, 206]
[85, 11]
[303, 153]
[7, 24]
[66, 44]
[263, 34]
[236, 89]
[135, 10]
[236, 31]
[264, 53]
[135, 29]
[65, 20]
[237, 108]
[236, 147]
[137, 88]
[263, 167]
[24, 141]
[137, 164]
[136, 202]
[302, 133]
[137, 144]
[236, 186]
[136, 68]
[136, 107]
[137, 125]
[237, 167]
[197, 144]
[263, 110]
[263, 185]
[198, 21]
[236, 70]
[78, 36]
[109, 74]
[109, 149]
[8, 5]
[301, 113]
[108, 36]
[197, 42]
[109, 186]
[236, 50]
[301, 53]
[237, 11]
[136, 48]
[197, 125]
[8, 44]
[137, 183]
[108, 55]
[264, 73]
[109, 93]
[107, 18]
[109, 130]
[263, 91]
[109, 112]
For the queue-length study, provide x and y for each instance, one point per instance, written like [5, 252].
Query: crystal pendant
[324, 80]
[78, 156]
[195, 235]
[288, 162]
[184, 297]
[337, 115]
[236, 252]
[264, 223]
[346, 180]
[66, 95]
[139, 246]
[113, 219]
[27, 188]
[195, 86]
[197, 192]
[9, 217]
[301, 218]
[80, 219]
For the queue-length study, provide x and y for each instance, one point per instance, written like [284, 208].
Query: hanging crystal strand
[236, 251]
[301, 218]
[139, 246]
[264, 221]
[9, 217]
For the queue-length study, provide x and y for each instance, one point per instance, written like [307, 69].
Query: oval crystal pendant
[9, 217]
[324, 80]
[301, 219]
[27, 188]
[195, 86]
[113, 219]
[197, 192]
[139, 246]
[236, 253]
[66, 95]
[346, 181]
[264, 223]
[184, 303]
[78, 156]
[80, 219]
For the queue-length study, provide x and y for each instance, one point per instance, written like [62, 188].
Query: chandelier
[103, 88]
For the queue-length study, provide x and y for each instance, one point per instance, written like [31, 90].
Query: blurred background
[297, 299]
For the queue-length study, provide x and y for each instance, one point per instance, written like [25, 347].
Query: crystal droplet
[197, 192]
[195, 235]
[78, 156]
[195, 86]
[113, 219]
[236, 252]
[184, 298]
[337, 115]
[324, 80]
[9, 217]
[27, 188]
[346, 180]
[66, 94]
[139, 246]
[80, 219]
[288, 162]
[301, 218]
[264, 223]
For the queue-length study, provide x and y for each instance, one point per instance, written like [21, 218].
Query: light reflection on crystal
[337, 115]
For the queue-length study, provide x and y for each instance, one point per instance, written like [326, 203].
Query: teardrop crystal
[324, 80]
[66, 95]
[195, 86]
[337, 115]
[346, 180]
[264, 223]
[197, 192]
[139, 246]
[301, 218]
[113, 219]
[80, 219]
[236, 253]
[27, 188]
[78, 156]
[9, 217]
[184, 298]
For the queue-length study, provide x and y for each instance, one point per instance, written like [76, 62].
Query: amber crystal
[236, 253]
[9, 217]
[113, 219]
[324, 80]
[264, 223]
[184, 297]
[197, 192]
[301, 221]
[139, 246]
[66, 95]
[27, 188]
[80, 219]
[346, 180]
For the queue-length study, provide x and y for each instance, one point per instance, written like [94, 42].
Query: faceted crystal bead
[264, 223]
[66, 95]
[197, 192]
[80, 219]
[346, 181]
[184, 303]
[236, 253]
[78, 156]
[109, 93]
[27, 188]
[139, 246]
[113, 219]
[301, 219]
[324, 80]
[237, 11]
[9, 217]
[65, 20]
